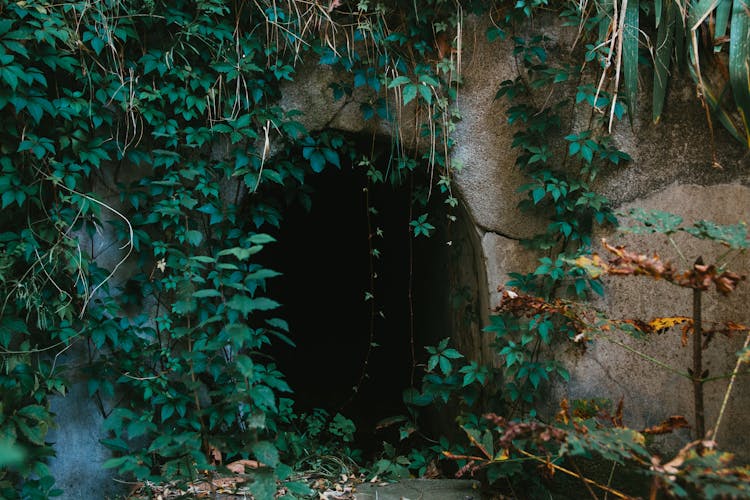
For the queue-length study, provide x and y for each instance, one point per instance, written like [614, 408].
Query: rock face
[652, 393]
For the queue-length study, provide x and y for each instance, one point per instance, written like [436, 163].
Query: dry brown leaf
[215, 455]
[239, 466]
[667, 426]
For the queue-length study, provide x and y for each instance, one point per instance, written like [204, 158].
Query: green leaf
[261, 239]
[662, 58]
[278, 323]
[263, 485]
[739, 65]
[630, 55]
[246, 366]
[115, 462]
[317, 161]
[117, 444]
[262, 274]
[241, 253]
[538, 194]
[166, 412]
[331, 157]
[239, 334]
[36, 412]
[194, 237]
[298, 488]
[722, 21]
[409, 93]
[201, 294]
[246, 305]
[266, 453]
[401, 80]
[34, 433]
[426, 93]
[432, 362]
[452, 354]
[263, 397]
[445, 365]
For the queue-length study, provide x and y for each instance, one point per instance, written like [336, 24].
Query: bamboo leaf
[739, 61]
[716, 109]
[664, 42]
[679, 39]
[699, 11]
[722, 20]
[606, 8]
[658, 8]
[630, 55]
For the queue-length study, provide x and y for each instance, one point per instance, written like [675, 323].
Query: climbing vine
[145, 158]
[156, 126]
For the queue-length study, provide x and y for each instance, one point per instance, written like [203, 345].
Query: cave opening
[362, 295]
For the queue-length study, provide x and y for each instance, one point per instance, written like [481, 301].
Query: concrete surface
[421, 489]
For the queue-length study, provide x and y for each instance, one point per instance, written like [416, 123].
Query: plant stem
[700, 422]
[729, 390]
[646, 356]
[569, 472]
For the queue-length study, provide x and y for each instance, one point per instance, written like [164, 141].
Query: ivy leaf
[241, 253]
[246, 366]
[426, 93]
[263, 397]
[263, 485]
[317, 161]
[401, 80]
[278, 323]
[36, 412]
[246, 305]
[445, 365]
[298, 488]
[239, 334]
[194, 237]
[432, 363]
[116, 462]
[166, 412]
[35, 433]
[537, 194]
[452, 354]
[409, 93]
[266, 453]
[261, 239]
[331, 157]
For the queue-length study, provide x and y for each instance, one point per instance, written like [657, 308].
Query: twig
[569, 472]
[729, 390]
[700, 420]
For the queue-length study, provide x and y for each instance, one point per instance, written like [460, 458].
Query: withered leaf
[667, 426]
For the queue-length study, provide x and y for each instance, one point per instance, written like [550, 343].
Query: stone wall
[651, 393]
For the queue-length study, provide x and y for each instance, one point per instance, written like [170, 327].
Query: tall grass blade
[658, 7]
[739, 61]
[717, 110]
[630, 55]
[679, 39]
[664, 44]
[699, 11]
[722, 21]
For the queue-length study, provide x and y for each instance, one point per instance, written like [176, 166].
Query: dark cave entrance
[329, 269]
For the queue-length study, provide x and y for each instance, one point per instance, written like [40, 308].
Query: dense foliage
[158, 125]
